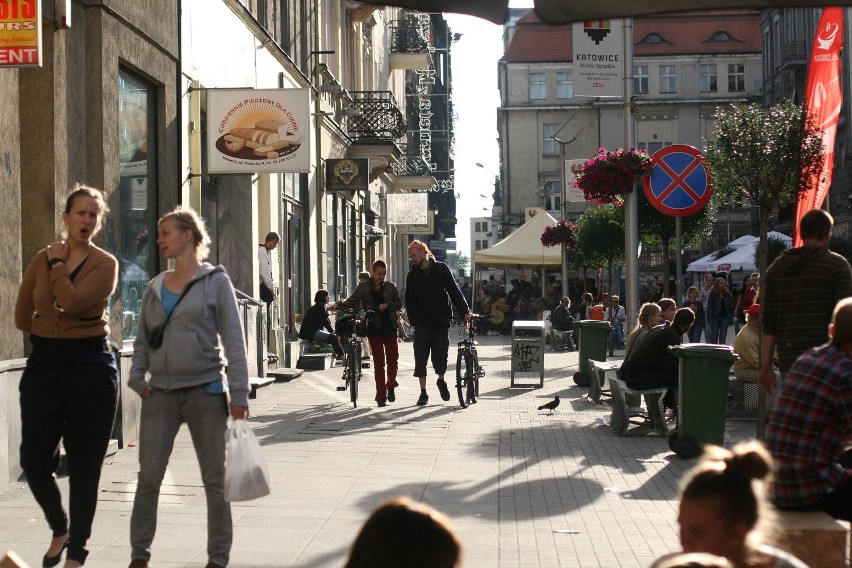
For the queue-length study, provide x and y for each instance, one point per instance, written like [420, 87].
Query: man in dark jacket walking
[429, 290]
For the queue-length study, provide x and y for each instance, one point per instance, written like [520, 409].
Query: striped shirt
[809, 425]
[797, 297]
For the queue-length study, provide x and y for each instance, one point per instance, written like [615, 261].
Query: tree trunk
[666, 272]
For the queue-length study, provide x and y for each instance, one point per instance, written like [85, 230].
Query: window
[550, 147]
[137, 195]
[652, 147]
[552, 203]
[538, 86]
[565, 85]
[707, 74]
[640, 79]
[668, 79]
[736, 77]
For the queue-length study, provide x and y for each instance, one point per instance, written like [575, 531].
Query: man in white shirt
[268, 290]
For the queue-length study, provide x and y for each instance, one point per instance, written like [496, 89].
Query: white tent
[522, 248]
[742, 259]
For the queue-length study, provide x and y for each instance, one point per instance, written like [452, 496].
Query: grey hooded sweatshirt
[205, 323]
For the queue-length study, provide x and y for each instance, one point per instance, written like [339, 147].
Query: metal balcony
[411, 162]
[793, 53]
[380, 121]
[409, 45]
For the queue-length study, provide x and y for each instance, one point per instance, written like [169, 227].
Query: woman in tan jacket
[382, 297]
[68, 389]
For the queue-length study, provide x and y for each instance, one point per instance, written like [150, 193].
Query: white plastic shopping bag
[245, 468]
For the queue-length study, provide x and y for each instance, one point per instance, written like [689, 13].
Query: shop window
[136, 246]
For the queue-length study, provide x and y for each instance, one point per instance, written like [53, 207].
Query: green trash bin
[703, 397]
[593, 340]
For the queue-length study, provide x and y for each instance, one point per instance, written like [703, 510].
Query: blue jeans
[206, 416]
[325, 337]
[718, 330]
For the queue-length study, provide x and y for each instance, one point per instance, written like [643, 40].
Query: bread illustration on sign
[267, 140]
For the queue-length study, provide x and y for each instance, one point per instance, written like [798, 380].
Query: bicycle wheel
[354, 365]
[475, 374]
[463, 376]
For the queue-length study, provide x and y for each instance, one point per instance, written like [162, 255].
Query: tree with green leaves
[658, 227]
[766, 156]
[600, 237]
[458, 262]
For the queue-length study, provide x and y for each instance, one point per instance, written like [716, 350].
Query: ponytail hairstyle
[186, 219]
[737, 479]
[421, 246]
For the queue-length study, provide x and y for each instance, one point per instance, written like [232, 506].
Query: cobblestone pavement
[522, 487]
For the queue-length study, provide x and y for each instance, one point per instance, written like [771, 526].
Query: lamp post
[496, 210]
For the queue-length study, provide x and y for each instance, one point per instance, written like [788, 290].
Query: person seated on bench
[652, 365]
[562, 320]
[616, 317]
[315, 319]
[810, 426]
[747, 346]
[723, 510]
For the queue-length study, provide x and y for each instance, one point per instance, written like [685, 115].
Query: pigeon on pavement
[550, 405]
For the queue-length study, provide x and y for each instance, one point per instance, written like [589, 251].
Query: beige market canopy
[522, 248]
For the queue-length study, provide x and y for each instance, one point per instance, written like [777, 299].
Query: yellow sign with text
[20, 33]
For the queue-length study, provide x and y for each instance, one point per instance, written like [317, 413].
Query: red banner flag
[823, 98]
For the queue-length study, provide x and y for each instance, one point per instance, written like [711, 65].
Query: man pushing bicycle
[430, 289]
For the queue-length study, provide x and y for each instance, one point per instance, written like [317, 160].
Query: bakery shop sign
[346, 175]
[20, 33]
[258, 130]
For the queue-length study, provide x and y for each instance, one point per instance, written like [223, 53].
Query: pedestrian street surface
[522, 488]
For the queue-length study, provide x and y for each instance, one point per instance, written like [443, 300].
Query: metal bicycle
[349, 325]
[468, 369]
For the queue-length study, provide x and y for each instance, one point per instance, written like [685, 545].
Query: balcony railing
[380, 121]
[793, 51]
[407, 36]
[411, 162]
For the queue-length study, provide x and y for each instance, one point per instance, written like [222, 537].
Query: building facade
[684, 67]
[122, 103]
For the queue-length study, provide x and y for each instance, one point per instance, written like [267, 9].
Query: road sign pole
[631, 207]
[678, 262]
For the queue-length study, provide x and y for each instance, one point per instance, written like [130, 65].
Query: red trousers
[384, 348]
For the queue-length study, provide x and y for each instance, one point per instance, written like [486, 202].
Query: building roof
[686, 33]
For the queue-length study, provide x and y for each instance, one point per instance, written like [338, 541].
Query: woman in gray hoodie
[188, 324]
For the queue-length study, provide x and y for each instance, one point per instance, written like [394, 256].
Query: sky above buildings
[475, 99]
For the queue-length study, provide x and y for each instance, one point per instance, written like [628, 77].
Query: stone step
[814, 537]
[315, 361]
[284, 374]
[258, 385]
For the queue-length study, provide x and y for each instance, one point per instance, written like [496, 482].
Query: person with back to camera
[429, 291]
[402, 533]
[798, 294]
[188, 325]
[809, 429]
[723, 510]
[382, 297]
[653, 365]
[69, 385]
[316, 320]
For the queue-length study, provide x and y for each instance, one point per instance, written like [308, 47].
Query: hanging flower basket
[610, 175]
[561, 232]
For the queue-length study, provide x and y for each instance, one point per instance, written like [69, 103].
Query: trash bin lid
[593, 324]
[704, 350]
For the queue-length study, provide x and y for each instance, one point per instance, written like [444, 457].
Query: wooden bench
[814, 537]
[601, 368]
[620, 419]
